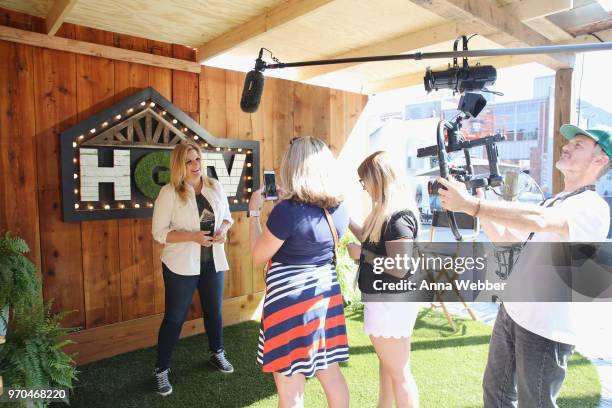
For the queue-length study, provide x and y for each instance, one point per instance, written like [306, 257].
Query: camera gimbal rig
[457, 142]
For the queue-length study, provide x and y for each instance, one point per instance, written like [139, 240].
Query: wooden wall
[109, 271]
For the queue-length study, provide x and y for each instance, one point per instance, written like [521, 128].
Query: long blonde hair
[178, 170]
[389, 193]
[309, 175]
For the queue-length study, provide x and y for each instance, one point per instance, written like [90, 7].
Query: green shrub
[347, 271]
[19, 284]
[32, 356]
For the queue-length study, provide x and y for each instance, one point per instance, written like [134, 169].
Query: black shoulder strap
[590, 187]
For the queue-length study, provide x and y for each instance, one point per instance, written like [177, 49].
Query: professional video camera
[460, 79]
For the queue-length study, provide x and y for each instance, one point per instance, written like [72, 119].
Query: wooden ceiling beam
[57, 15]
[279, 15]
[96, 50]
[511, 31]
[526, 10]
[416, 78]
[398, 45]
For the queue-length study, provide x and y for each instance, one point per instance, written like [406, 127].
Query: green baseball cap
[600, 136]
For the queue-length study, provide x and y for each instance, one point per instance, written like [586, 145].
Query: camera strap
[590, 187]
[507, 257]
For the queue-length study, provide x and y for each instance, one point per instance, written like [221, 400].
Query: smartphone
[270, 185]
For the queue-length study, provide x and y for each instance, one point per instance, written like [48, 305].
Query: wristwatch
[253, 213]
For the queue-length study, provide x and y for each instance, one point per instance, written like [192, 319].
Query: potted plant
[31, 356]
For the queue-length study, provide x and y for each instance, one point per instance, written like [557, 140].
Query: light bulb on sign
[117, 117]
[76, 206]
[136, 205]
[106, 207]
[152, 104]
[121, 205]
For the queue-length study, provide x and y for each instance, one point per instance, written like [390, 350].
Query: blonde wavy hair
[178, 169]
[388, 191]
[308, 173]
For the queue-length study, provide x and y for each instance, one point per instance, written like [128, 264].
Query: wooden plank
[283, 130]
[140, 268]
[185, 95]
[100, 239]
[185, 85]
[527, 10]
[18, 206]
[321, 113]
[302, 110]
[161, 80]
[262, 126]
[212, 101]
[136, 265]
[279, 15]
[61, 251]
[336, 118]
[510, 30]
[565, 112]
[238, 127]
[103, 342]
[96, 50]
[22, 21]
[57, 15]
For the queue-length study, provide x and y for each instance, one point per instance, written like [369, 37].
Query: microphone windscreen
[251, 93]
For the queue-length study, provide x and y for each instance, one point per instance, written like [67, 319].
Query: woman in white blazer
[191, 218]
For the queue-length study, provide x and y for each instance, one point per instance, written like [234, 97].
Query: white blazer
[172, 214]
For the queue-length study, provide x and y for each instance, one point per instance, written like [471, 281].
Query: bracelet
[477, 209]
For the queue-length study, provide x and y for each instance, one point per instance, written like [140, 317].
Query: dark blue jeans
[523, 369]
[179, 292]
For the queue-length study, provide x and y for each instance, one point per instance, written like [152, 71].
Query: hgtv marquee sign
[115, 162]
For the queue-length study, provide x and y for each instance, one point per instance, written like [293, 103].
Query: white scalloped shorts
[390, 319]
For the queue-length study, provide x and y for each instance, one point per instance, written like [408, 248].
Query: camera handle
[443, 163]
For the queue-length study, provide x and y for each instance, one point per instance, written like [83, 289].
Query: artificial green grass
[448, 368]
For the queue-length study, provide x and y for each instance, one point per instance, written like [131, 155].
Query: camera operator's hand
[456, 197]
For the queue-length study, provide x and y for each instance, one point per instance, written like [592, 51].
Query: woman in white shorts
[392, 223]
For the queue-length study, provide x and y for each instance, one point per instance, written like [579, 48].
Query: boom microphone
[251, 93]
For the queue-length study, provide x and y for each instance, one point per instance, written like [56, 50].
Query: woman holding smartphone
[391, 225]
[303, 332]
[191, 218]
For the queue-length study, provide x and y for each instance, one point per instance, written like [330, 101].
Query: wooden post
[565, 112]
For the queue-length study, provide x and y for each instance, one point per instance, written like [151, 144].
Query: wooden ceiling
[295, 30]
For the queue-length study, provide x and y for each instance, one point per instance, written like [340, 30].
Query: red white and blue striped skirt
[302, 325]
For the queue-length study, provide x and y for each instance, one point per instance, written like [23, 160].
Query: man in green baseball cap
[586, 149]
[602, 137]
[532, 342]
